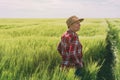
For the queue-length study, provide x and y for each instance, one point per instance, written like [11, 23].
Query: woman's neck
[72, 30]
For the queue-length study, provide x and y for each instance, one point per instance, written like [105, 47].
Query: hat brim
[81, 19]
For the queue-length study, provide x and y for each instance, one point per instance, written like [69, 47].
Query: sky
[59, 8]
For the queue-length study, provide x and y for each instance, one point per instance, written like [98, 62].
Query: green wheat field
[28, 49]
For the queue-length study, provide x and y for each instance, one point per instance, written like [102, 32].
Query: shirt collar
[69, 30]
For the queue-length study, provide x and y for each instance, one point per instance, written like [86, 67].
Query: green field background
[28, 49]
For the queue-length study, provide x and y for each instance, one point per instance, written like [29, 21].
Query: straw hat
[72, 20]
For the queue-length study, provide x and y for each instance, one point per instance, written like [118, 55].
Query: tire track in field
[106, 71]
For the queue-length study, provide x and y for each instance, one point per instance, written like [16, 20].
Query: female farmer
[70, 47]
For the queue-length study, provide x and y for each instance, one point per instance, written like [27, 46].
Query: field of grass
[28, 49]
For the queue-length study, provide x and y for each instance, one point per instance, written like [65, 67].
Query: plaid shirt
[70, 49]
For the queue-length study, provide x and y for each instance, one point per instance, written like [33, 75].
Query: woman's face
[75, 26]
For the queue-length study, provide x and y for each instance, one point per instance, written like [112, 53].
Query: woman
[70, 47]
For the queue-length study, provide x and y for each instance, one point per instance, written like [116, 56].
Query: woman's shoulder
[67, 35]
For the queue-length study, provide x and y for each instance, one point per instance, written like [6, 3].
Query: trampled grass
[28, 49]
[115, 40]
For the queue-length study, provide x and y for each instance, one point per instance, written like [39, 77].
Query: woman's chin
[78, 29]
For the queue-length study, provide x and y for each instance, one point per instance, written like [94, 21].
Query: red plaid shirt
[70, 49]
